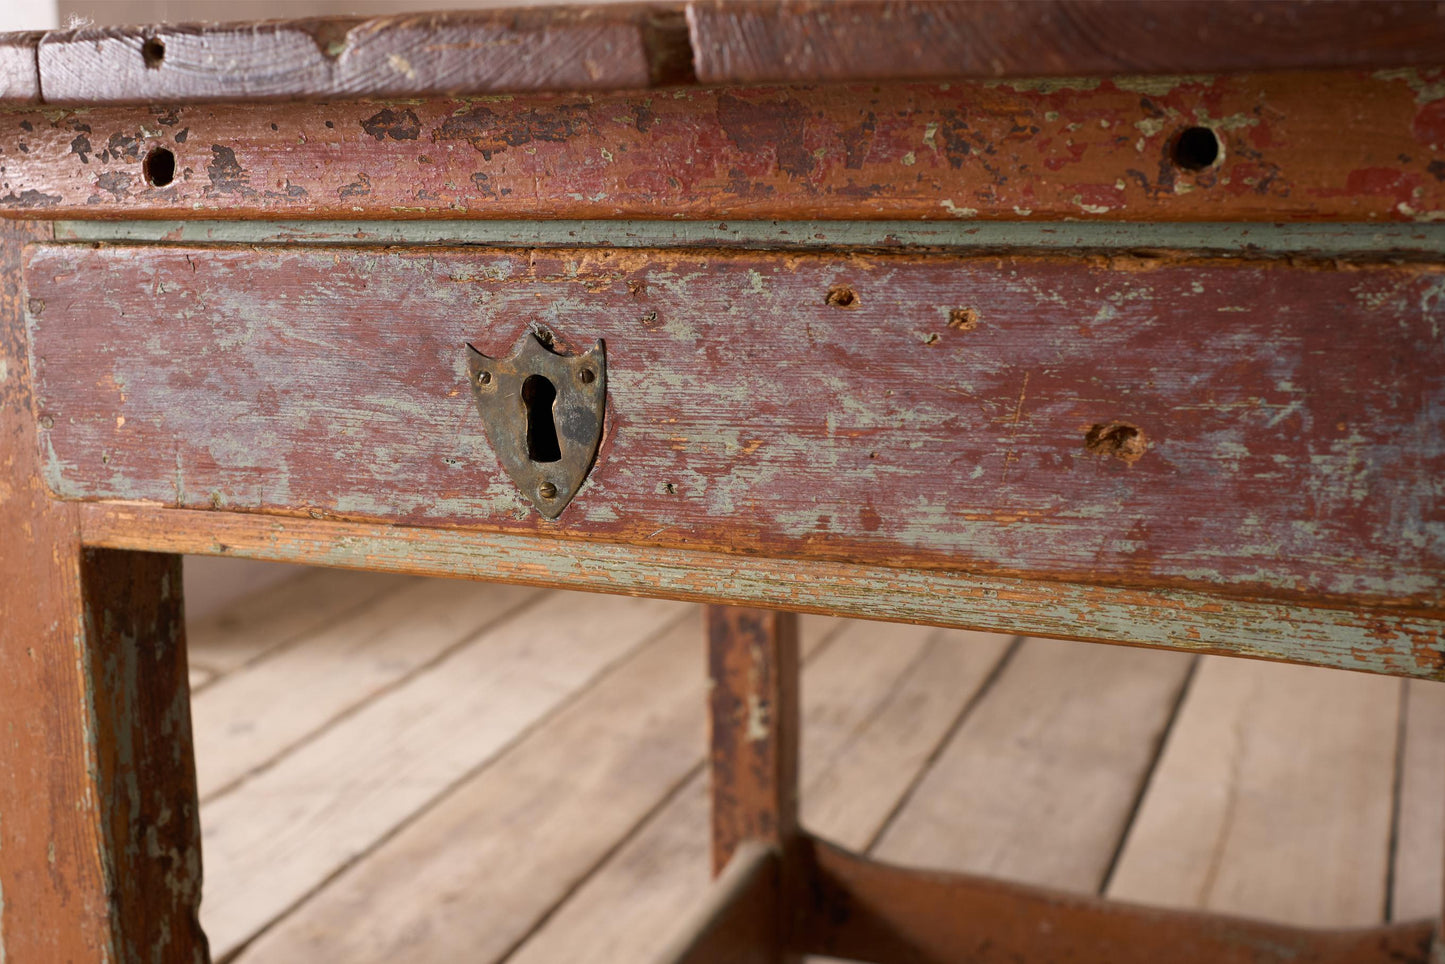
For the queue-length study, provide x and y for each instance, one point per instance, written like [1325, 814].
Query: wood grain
[629, 46]
[603, 47]
[1373, 640]
[854, 714]
[754, 719]
[98, 845]
[1162, 421]
[19, 68]
[251, 716]
[332, 799]
[745, 41]
[550, 809]
[263, 622]
[140, 752]
[1292, 146]
[1415, 881]
[1038, 783]
[1271, 769]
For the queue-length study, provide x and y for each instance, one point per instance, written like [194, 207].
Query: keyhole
[538, 394]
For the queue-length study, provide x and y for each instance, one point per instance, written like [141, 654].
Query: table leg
[99, 839]
[753, 702]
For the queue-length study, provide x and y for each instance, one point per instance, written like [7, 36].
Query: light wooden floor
[396, 769]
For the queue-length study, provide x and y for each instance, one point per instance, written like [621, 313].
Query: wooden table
[837, 313]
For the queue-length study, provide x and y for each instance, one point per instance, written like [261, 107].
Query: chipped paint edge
[1332, 238]
[1378, 640]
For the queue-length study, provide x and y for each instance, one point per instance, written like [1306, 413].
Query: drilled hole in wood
[842, 296]
[1195, 148]
[159, 167]
[538, 394]
[153, 51]
[1118, 439]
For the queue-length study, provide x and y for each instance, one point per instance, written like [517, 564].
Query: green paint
[1378, 641]
[1327, 239]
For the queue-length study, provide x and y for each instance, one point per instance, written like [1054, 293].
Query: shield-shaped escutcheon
[542, 412]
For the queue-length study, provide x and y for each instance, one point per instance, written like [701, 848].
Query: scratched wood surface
[96, 782]
[1288, 146]
[1154, 422]
[613, 863]
[620, 46]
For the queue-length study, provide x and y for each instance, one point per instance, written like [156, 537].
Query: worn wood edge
[19, 68]
[747, 40]
[501, 50]
[861, 908]
[630, 46]
[1379, 640]
[268, 160]
[1244, 238]
[738, 922]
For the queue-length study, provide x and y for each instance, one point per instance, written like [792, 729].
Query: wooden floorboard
[1273, 798]
[1039, 782]
[254, 715]
[284, 832]
[438, 771]
[1420, 829]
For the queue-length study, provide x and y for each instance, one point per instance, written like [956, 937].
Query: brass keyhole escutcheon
[542, 412]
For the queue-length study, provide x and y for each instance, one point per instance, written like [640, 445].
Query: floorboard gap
[958, 721]
[1148, 776]
[342, 867]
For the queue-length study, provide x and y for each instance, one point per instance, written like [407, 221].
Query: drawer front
[1264, 426]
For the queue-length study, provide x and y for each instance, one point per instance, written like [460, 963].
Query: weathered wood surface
[1417, 240]
[601, 47]
[1147, 421]
[252, 627]
[98, 842]
[1342, 146]
[1379, 640]
[630, 46]
[19, 73]
[1039, 782]
[743, 42]
[334, 797]
[1270, 770]
[251, 716]
[1419, 836]
[551, 808]
[140, 752]
[873, 699]
[753, 666]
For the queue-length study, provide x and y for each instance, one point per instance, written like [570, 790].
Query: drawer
[1265, 426]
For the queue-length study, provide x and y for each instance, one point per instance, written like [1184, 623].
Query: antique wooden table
[1116, 321]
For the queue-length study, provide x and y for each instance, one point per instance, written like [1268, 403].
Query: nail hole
[1195, 148]
[159, 167]
[1118, 439]
[842, 296]
[538, 394]
[153, 51]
